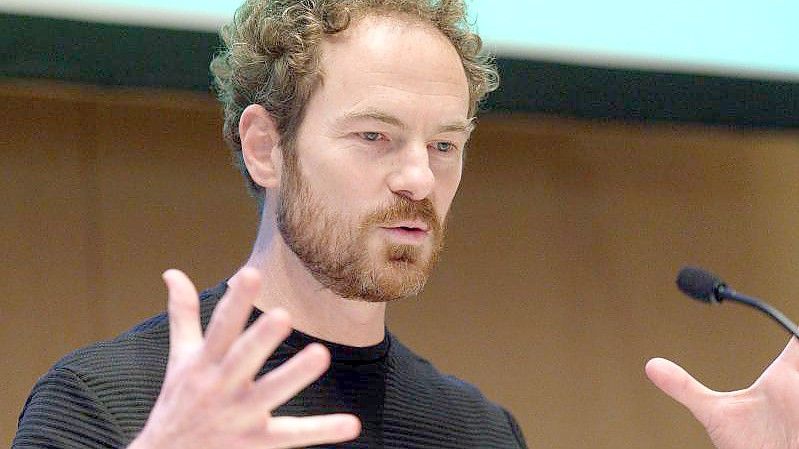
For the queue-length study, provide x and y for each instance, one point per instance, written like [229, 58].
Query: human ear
[260, 142]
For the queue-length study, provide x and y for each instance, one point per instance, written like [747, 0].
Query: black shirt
[100, 396]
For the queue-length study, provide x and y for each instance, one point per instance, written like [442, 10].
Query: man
[349, 119]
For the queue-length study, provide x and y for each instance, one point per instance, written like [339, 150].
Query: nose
[411, 175]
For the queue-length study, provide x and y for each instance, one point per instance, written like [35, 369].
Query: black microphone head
[699, 284]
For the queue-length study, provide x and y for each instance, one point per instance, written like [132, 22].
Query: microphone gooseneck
[707, 287]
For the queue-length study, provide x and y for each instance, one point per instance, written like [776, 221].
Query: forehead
[396, 64]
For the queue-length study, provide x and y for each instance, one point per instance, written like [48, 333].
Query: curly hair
[272, 53]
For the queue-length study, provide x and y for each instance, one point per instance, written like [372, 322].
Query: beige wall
[556, 286]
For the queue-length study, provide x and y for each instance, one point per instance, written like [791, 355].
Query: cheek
[341, 186]
[447, 187]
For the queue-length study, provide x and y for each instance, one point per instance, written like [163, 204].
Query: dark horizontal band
[121, 55]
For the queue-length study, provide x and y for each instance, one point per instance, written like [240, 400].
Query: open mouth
[409, 225]
[407, 233]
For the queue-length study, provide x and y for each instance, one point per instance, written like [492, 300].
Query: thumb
[790, 355]
[681, 386]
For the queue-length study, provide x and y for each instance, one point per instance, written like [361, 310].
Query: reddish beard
[336, 251]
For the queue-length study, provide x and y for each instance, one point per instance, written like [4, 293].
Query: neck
[315, 310]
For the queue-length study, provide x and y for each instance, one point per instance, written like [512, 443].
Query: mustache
[402, 209]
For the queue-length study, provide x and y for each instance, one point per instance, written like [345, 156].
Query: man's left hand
[763, 416]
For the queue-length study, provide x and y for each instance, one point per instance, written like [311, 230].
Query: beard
[336, 250]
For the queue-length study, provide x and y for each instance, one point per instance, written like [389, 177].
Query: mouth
[408, 232]
[411, 226]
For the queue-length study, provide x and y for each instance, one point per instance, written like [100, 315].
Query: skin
[390, 119]
[372, 131]
[762, 416]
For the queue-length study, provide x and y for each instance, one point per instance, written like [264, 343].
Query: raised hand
[763, 416]
[209, 398]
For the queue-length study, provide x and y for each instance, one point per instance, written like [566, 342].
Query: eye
[445, 147]
[372, 136]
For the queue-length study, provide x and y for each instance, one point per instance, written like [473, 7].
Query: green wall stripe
[640, 95]
[112, 55]
[120, 55]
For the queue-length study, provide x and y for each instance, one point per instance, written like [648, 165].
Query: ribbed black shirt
[100, 396]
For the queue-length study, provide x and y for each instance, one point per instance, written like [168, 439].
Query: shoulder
[62, 412]
[458, 402]
[142, 348]
[96, 396]
[110, 385]
[423, 370]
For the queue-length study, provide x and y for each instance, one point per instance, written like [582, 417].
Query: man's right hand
[210, 399]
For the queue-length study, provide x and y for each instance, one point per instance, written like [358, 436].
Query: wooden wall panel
[45, 242]
[170, 199]
[556, 285]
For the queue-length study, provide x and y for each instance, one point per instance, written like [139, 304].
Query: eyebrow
[465, 126]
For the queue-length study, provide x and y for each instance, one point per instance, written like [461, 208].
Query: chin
[398, 278]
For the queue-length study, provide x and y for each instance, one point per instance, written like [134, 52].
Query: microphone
[707, 287]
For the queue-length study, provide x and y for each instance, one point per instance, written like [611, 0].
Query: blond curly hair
[271, 57]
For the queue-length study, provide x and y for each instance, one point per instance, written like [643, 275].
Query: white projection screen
[718, 37]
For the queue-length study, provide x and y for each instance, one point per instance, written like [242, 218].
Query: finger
[680, 386]
[790, 354]
[249, 353]
[285, 381]
[291, 432]
[231, 313]
[183, 309]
